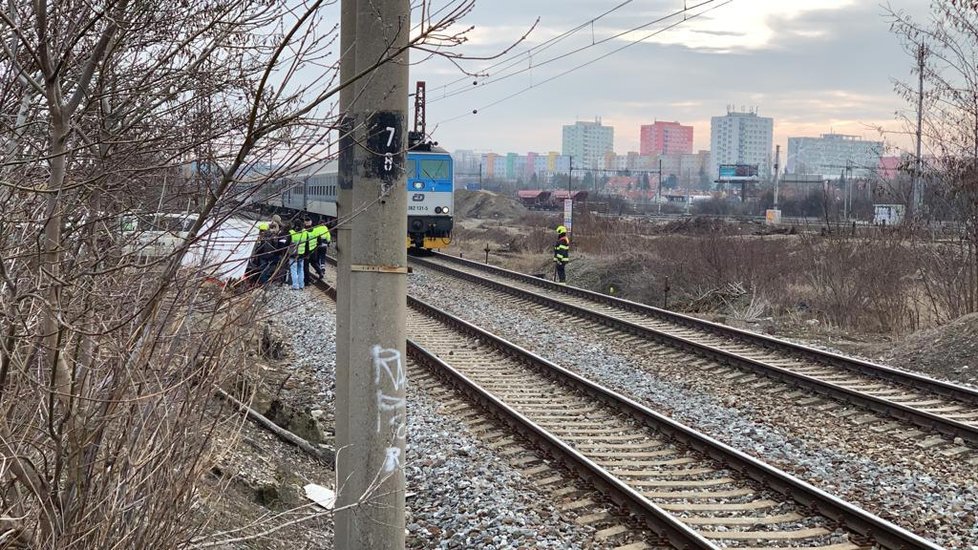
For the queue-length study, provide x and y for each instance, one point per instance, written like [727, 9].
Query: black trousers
[321, 260]
[561, 274]
[312, 260]
[308, 258]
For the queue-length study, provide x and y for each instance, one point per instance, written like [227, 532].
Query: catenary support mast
[917, 190]
[372, 473]
[344, 198]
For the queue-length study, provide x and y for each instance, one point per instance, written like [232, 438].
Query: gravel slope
[463, 495]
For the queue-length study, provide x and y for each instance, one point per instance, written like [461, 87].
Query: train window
[434, 169]
[410, 168]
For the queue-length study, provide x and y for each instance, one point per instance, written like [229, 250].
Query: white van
[154, 235]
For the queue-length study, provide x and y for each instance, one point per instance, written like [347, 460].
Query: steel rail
[962, 393]
[919, 417]
[660, 521]
[884, 533]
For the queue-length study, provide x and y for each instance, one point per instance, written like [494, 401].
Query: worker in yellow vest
[320, 241]
[297, 253]
[310, 256]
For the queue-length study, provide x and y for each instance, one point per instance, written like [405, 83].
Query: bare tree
[948, 45]
[108, 362]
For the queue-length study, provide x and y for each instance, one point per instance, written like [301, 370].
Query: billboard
[738, 172]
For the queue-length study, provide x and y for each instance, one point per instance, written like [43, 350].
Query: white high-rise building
[742, 138]
[831, 154]
[588, 143]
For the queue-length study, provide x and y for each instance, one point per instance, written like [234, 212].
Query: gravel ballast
[929, 494]
[460, 494]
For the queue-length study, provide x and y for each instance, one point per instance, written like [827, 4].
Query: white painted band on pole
[379, 268]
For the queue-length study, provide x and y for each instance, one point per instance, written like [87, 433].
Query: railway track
[692, 490]
[938, 406]
[575, 498]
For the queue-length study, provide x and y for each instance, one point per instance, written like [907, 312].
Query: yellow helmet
[561, 230]
[263, 226]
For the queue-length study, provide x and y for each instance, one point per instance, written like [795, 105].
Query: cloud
[749, 25]
[815, 66]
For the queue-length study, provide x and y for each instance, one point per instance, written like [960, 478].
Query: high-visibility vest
[299, 239]
[310, 239]
[321, 235]
[562, 249]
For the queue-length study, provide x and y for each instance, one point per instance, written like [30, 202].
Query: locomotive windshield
[435, 169]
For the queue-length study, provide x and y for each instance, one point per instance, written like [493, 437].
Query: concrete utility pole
[344, 199]
[372, 474]
[850, 184]
[570, 174]
[918, 185]
[777, 168]
[845, 196]
[658, 194]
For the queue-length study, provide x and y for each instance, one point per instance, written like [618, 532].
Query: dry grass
[876, 283]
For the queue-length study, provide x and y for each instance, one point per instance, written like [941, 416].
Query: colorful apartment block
[666, 138]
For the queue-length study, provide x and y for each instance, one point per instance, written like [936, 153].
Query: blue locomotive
[430, 195]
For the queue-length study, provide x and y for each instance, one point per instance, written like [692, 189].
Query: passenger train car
[430, 195]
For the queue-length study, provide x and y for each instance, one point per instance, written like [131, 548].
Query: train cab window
[434, 169]
[409, 168]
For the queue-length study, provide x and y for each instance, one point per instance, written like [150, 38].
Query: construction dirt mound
[702, 225]
[486, 205]
[949, 352]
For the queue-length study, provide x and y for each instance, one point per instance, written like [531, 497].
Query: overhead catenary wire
[518, 58]
[684, 12]
[686, 17]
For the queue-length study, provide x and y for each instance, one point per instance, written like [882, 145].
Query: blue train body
[430, 195]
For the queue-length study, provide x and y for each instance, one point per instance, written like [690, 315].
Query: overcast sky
[813, 65]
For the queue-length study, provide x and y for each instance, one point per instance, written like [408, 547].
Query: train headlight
[444, 210]
[418, 185]
[437, 210]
